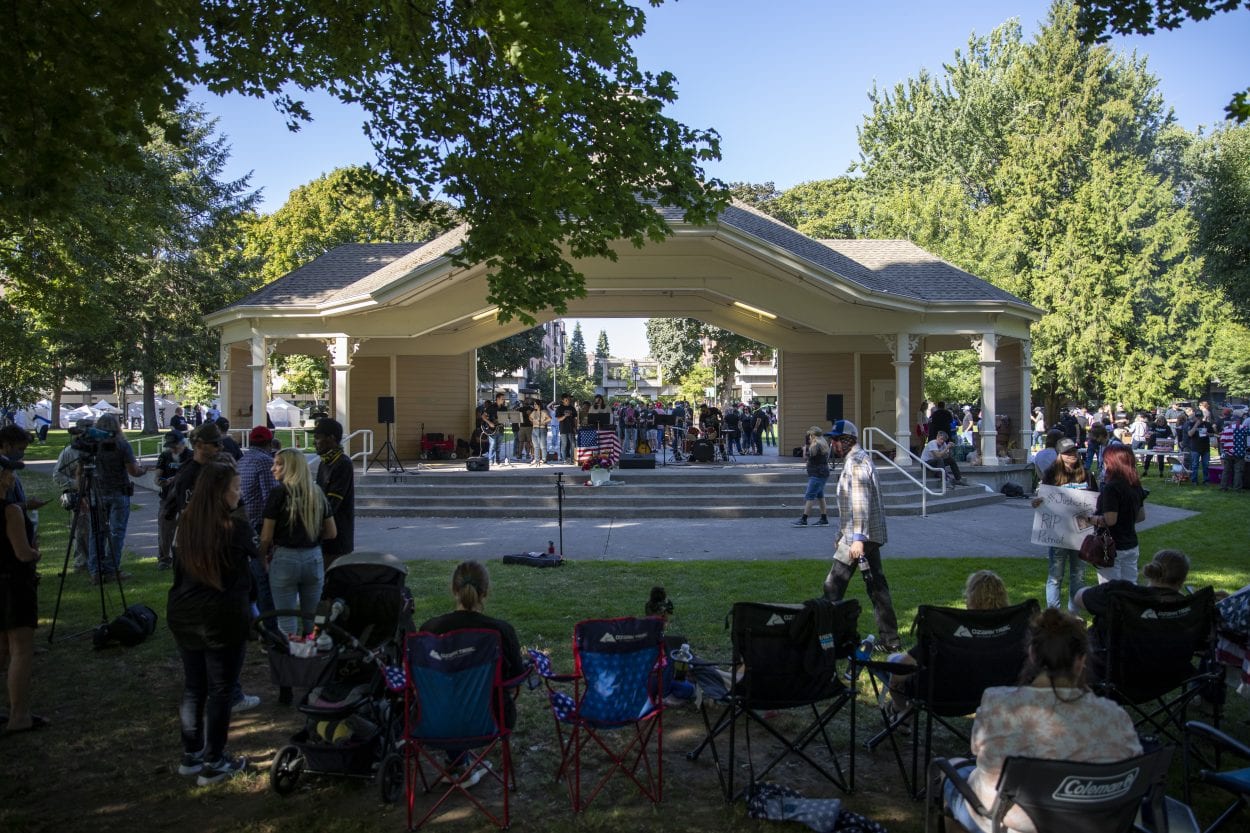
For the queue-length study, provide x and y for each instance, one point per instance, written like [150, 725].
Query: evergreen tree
[601, 356]
[577, 363]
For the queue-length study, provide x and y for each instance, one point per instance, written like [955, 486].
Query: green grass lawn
[106, 763]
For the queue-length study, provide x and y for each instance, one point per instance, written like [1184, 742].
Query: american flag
[592, 442]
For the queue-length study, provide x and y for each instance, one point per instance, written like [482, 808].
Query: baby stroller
[352, 674]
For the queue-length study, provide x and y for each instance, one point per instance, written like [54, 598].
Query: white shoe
[249, 702]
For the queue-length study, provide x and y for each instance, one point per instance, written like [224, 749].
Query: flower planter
[600, 476]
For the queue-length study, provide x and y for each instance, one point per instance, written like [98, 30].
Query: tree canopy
[678, 344]
[508, 354]
[1098, 19]
[534, 118]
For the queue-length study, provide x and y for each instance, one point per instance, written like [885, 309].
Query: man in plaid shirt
[861, 532]
[1232, 451]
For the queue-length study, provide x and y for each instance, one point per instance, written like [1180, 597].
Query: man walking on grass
[861, 532]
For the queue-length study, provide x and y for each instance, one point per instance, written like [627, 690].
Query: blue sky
[785, 83]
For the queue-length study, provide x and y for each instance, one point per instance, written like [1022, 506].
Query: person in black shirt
[940, 420]
[168, 464]
[470, 586]
[491, 428]
[228, 443]
[209, 612]
[337, 478]
[19, 604]
[297, 520]
[1121, 506]
[566, 417]
[1199, 430]
[1160, 430]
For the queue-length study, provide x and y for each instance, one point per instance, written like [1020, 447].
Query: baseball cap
[207, 433]
[259, 435]
[1065, 445]
[843, 428]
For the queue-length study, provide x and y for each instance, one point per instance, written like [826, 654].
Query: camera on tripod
[87, 441]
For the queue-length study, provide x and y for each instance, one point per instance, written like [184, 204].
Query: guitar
[643, 447]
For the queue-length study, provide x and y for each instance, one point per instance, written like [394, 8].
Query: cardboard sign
[1063, 518]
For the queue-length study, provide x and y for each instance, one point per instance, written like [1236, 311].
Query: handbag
[1098, 548]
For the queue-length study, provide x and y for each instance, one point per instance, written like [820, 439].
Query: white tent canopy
[284, 414]
[103, 407]
[68, 418]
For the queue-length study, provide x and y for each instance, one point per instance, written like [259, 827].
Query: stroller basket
[353, 757]
[297, 672]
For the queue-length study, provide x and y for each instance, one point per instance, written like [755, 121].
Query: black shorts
[19, 604]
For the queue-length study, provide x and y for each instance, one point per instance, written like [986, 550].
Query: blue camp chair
[454, 720]
[613, 703]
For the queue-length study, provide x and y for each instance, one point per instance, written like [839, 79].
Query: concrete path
[997, 531]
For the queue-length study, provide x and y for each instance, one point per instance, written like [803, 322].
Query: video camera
[88, 440]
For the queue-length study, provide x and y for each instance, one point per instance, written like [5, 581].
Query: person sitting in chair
[1052, 715]
[1166, 574]
[470, 585]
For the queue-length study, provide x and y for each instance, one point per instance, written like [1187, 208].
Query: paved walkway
[997, 531]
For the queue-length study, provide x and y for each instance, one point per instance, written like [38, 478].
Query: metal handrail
[925, 491]
[366, 453]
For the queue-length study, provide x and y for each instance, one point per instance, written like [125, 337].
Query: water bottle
[865, 569]
[864, 652]
[551, 548]
[681, 661]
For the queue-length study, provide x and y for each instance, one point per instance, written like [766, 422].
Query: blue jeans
[1196, 459]
[117, 507]
[495, 447]
[295, 579]
[958, 805]
[735, 441]
[1059, 558]
[630, 441]
[209, 677]
[568, 447]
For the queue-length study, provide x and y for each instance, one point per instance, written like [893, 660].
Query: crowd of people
[547, 431]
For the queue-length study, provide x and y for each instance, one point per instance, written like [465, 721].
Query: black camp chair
[784, 657]
[959, 654]
[1232, 780]
[1068, 796]
[1146, 659]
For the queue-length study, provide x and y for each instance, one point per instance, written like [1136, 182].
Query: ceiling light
[755, 310]
[486, 314]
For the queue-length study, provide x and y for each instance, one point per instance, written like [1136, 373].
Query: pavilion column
[986, 346]
[223, 380]
[902, 347]
[1026, 395]
[259, 364]
[341, 350]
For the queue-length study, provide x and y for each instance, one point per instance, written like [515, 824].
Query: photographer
[115, 465]
[65, 476]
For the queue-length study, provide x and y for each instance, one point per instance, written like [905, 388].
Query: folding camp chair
[784, 657]
[616, 687]
[1147, 652]
[454, 719]
[959, 654]
[1065, 795]
[1233, 781]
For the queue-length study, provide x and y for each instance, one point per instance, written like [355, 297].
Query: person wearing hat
[861, 532]
[115, 465]
[337, 478]
[174, 456]
[1067, 472]
[65, 476]
[205, 448]
[228, 443]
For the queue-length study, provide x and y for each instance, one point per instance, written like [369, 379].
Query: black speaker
[386, 410]
[702, 451]
[637, 461]
[833, 407]
[477, 464]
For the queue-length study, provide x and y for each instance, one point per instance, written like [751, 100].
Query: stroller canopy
[372, 585]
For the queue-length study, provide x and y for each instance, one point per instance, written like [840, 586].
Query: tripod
[392, 457]
[560, 508]
[100, 538]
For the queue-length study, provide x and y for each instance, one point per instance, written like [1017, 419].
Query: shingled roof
[888, 267]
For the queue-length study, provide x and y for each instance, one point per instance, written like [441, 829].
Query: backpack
[1012, 490]
[135, 624]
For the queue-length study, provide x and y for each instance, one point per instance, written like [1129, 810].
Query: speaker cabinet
[833, 407]
[386, 410]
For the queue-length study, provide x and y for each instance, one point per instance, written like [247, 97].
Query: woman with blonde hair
[817, 452]
[297, 518]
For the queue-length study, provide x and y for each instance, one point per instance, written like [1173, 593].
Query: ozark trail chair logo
[451, 654]
[965, 632]
[608, 636]
[1082, 789]
[777, 619]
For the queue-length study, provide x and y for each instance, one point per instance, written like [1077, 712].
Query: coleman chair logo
[1082, 789]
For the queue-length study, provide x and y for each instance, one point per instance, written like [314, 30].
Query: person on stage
[861, 532]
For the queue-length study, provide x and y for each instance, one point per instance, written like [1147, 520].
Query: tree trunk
[58, 384]
[151, 424]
